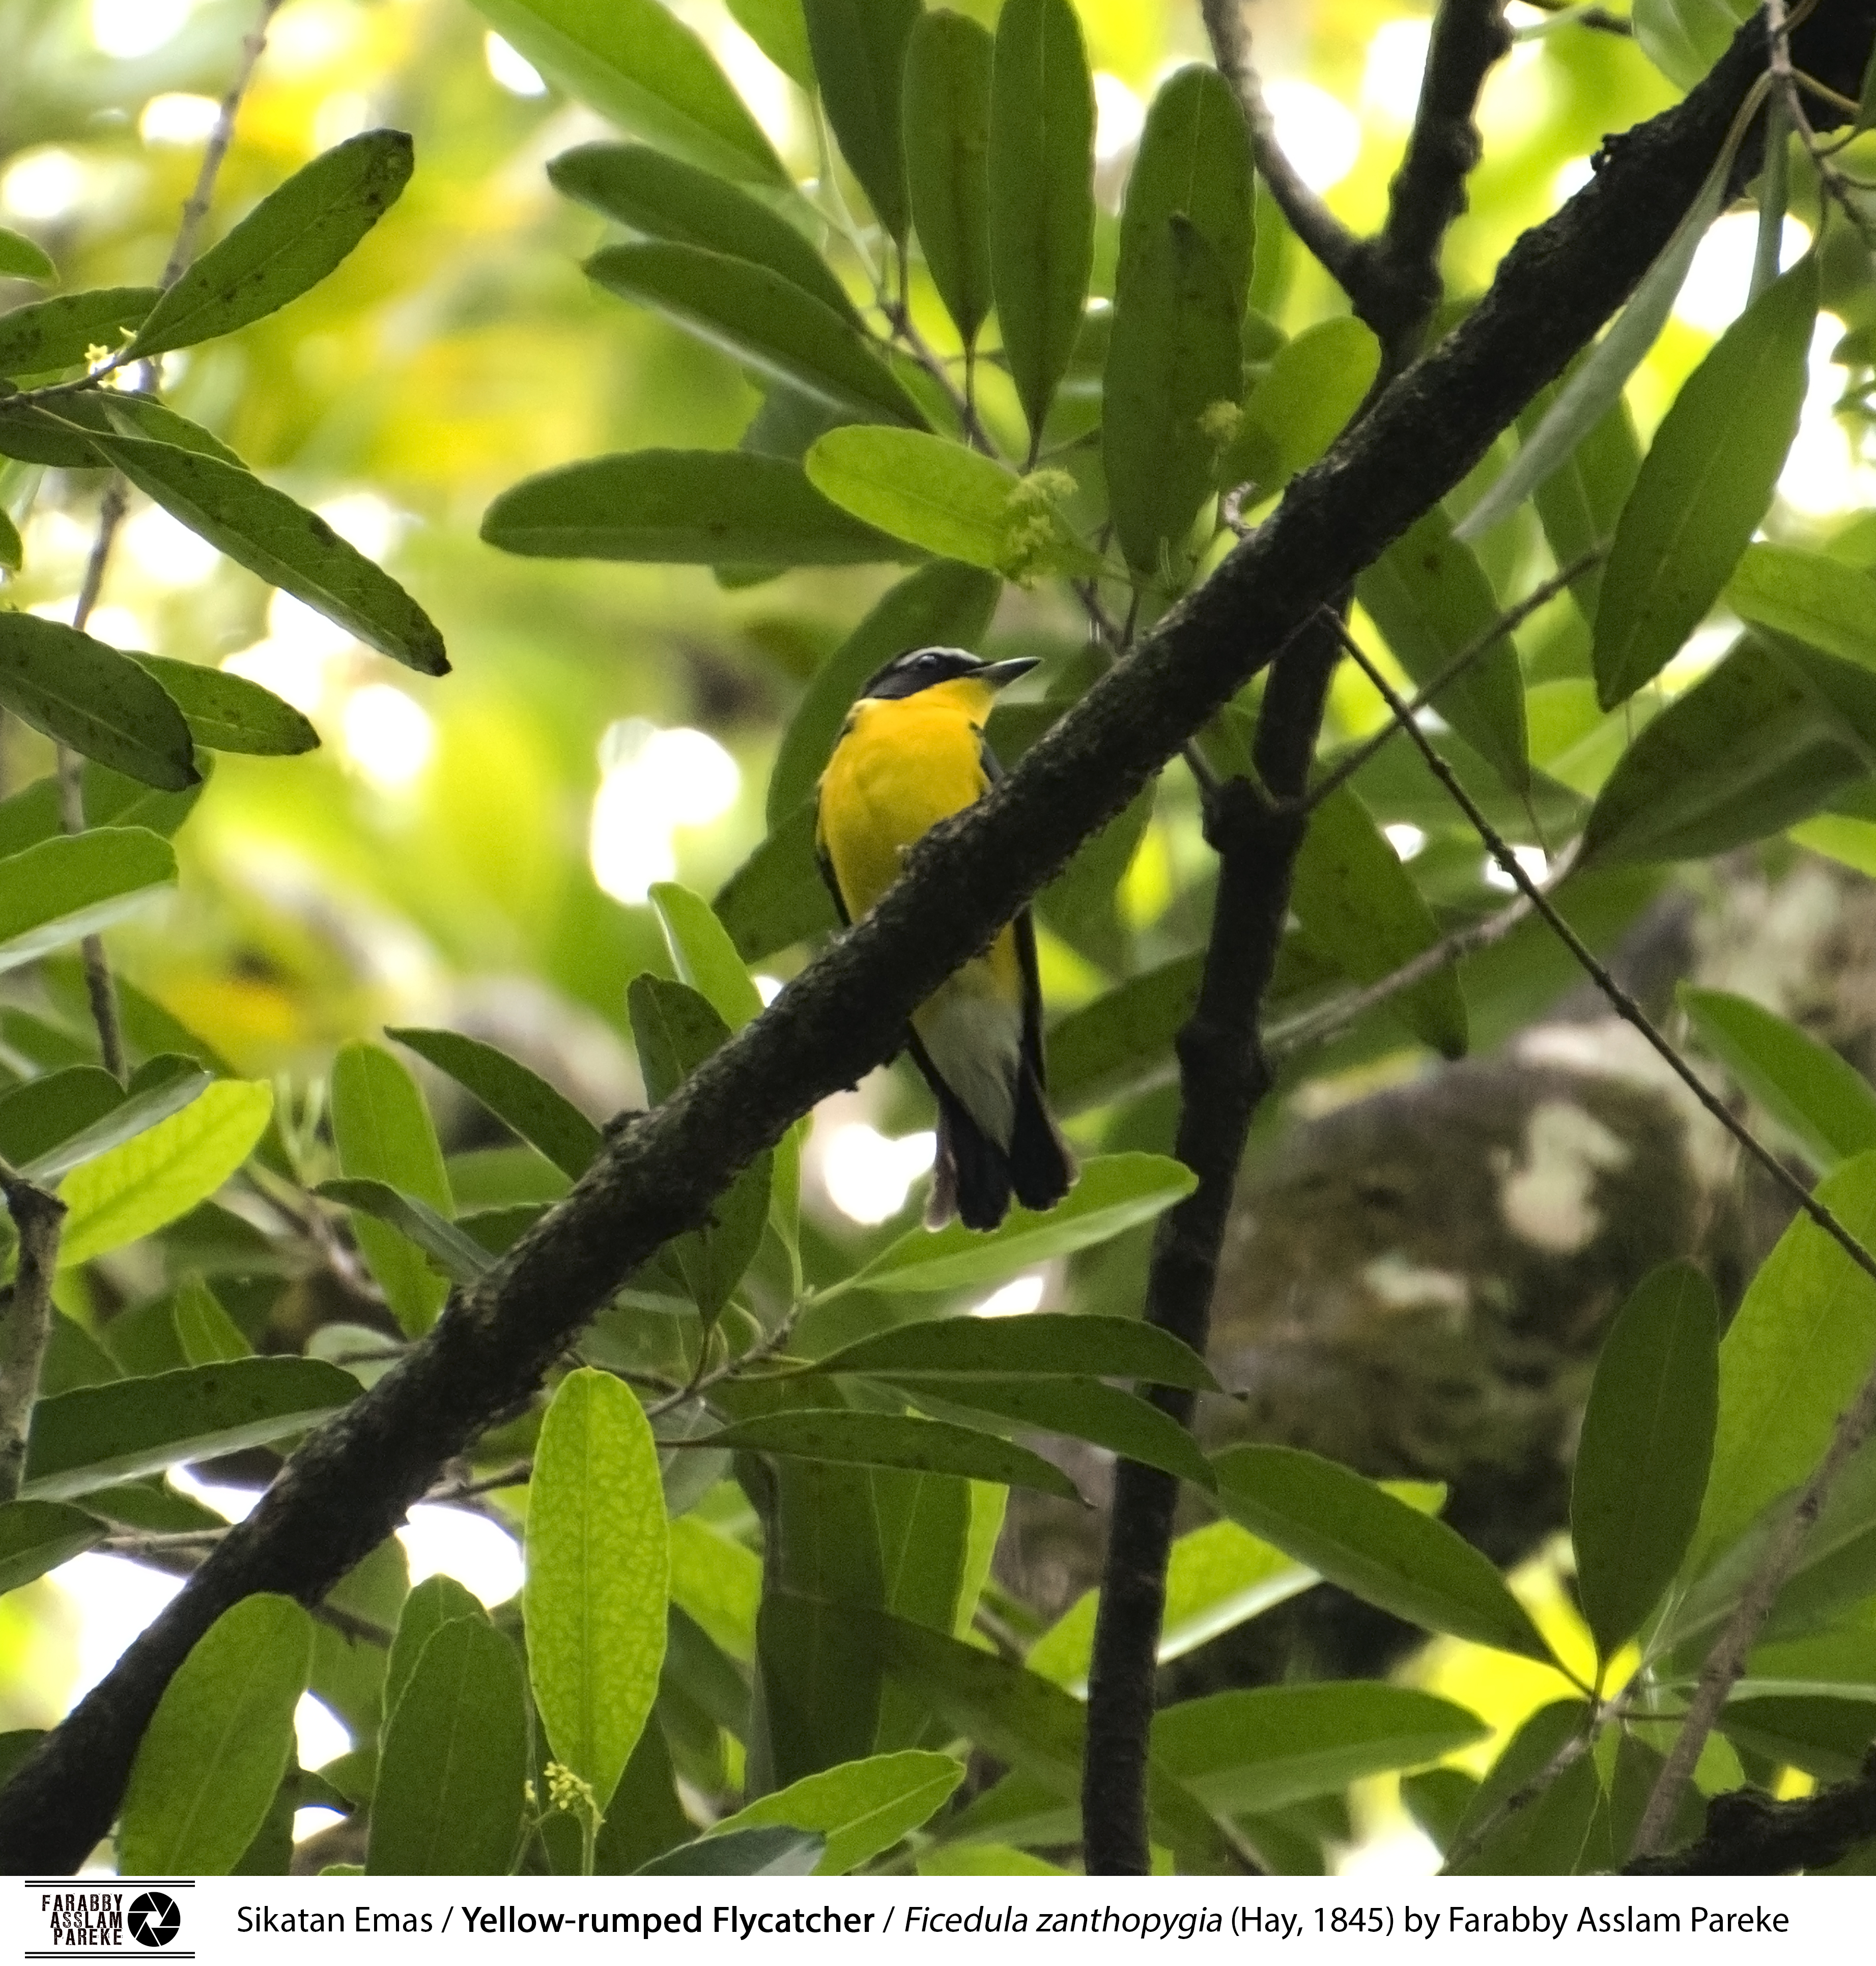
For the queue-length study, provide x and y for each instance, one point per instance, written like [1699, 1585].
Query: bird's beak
[998, 674]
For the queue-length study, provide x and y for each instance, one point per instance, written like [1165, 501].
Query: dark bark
[1748, 1834]
[351, 1482]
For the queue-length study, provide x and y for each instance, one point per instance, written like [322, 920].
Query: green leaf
[1683, 38]
[936, 494]
[681, 507]
[1648, 1437]
[1429, 598]
[663, 198]
[268, 533]
[145, 1183]
[705, 958]
[1048, 1344]
[743, 1853]
[946, 605]
[12, 548]
[67, 888]
[208, 1335]
[1594, 388]
[598, 1568]
[38, 1536]
[947, 143]
[132, 413]
[1121, 1042]
[1266, 1747]
[217, 1745]
[1791, 1362]
[383, 1132]
[1175, 352]
[1041, 194]
[57, 334]
[228, 712]
[859, 51]
[1313, 385]
[1082, 1408]
[519, 1098]
[758, 316]
[776, 27]
[637, 64]
[37, 1114]
[848, 1438]
[1816, 1096]
[1580, 503]
[437, 1601]
[85, 694]
[1826, 1737]
[861, 1807]
[1115, 1192]
[20, 259]
[127, 1119]
[1704, 485]
[1818, 599]
[459, 1257]
[1750, 748]
[1359, 906]
[95, 1436]
[289, 242]
[451, 1772]
[1356, 1535]
[718, 1582]
[777, 896]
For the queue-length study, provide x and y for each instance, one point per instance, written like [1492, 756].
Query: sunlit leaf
[1313, 384]
[228, 712]
[1818, 599]
[67, 888]
[22, 259]
[125, 1120]
[844, 1436]
[861, 1807]
[56, 334]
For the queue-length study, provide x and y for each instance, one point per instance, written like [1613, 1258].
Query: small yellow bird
[912, 752]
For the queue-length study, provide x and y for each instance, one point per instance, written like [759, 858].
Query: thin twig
[1513, 618]
[1572, 1751]
[463, 1491]
[899, 317]
[38, 1217]
[1623, 1004]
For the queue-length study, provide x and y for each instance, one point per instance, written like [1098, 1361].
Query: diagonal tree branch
[350, 1483]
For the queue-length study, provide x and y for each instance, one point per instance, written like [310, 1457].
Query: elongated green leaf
[684, 508]
[1648, 1431]
[1595, 388]
[266, 532]
[518, 1096]
[1122, 1041]
[1357, 1535]
[777, 896]
[145, 1183]
[94, 1436]
[1580, 502]
[1429, 598]
[38, 1536]
[459, 1257]
[289, 242]
[947, 144]
[84, 693]
[1083, 1409]
[1313, 386]
[1266, 1747]
[663, 197]
[228, 712]
[842, 1435]
[1749, 749]
[1704, 485]
[208, 1335]
[383, 1132]
[1049, 1344]
[1683, 38]
[125, 1120]
[451, 1771]
[1815, 1094]
[1791, 1362]
[1360, 908]
[217, 1744]
[636, 63]
[59, 333]
[742, 1853]
[861, 1807]
[132, 413]
[777, 28]
[436, 1602]
[947, 604]
[22, 259]
[12, 548]
[1115, 1192]
[859, 50]
[1041, 194]
[1824, 1737]
[705, 958]
[598, 1568]
[718, 1582]
[936, 494]
[67, 888]
[761, 318]
[38, 1114]
[1818, 599]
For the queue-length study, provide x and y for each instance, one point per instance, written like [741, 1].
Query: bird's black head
[919, 668]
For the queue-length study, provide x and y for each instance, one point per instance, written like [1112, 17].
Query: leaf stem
[38, 1217]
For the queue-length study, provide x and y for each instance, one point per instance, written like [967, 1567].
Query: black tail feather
[971, 1176]
[1040, 1164]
